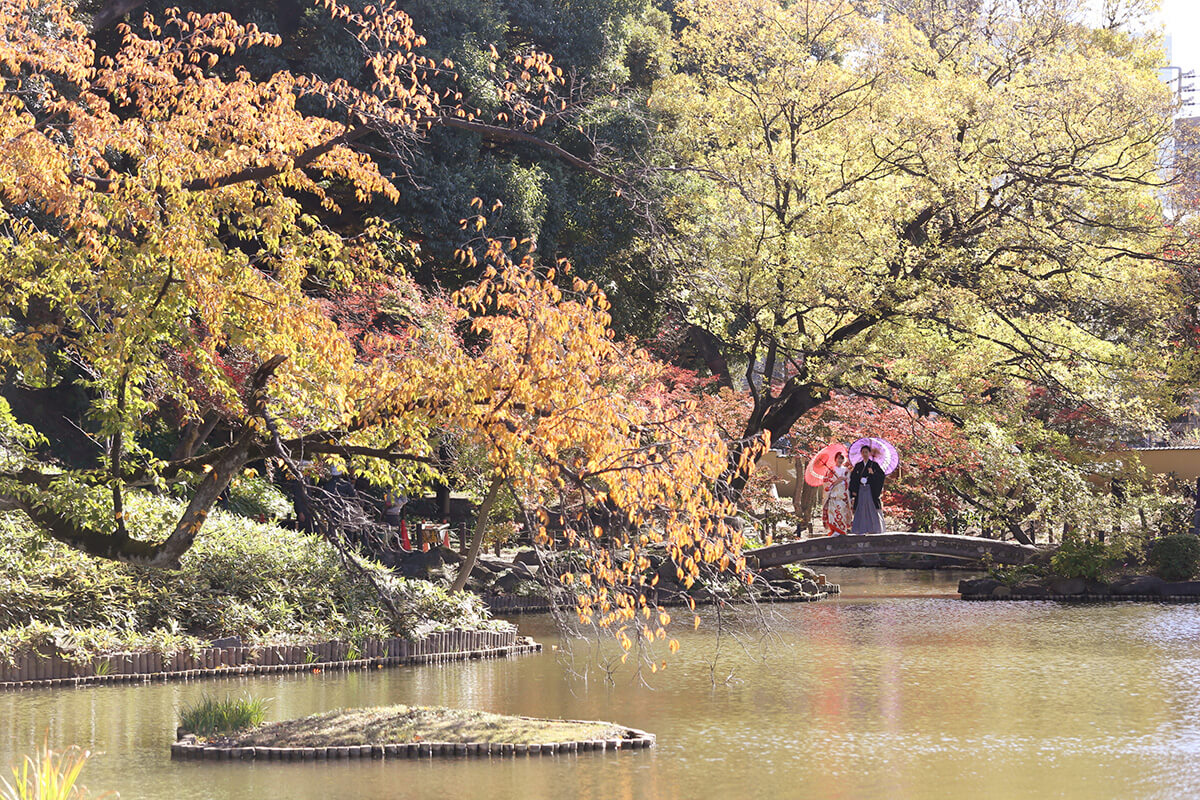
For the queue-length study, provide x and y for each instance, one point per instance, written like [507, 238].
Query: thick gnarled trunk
[28, 489]
[773, 415]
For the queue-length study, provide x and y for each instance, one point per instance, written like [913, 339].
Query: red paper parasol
[822, 463]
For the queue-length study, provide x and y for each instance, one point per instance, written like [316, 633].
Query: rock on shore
[522, 577]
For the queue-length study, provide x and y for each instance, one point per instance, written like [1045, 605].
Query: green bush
[1013, 575]
[259, 581]
[211, 716]
[1174, 508]
[254, 496]
[1091, 560]
[1174, 558]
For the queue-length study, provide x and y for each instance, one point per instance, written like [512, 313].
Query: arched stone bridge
[965, 548]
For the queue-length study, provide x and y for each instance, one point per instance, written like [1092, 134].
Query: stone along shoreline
[1077, 590]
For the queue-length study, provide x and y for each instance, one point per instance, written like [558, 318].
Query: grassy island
[404, 724]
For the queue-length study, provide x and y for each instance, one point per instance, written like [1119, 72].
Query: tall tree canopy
[939, 204]
[943, 206]
[559, 187]
[173, 248]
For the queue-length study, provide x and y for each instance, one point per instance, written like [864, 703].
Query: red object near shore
[818, 469]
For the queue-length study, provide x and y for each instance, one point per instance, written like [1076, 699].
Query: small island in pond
[410, 732]
[400, 724]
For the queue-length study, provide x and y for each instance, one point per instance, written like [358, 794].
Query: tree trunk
[113, 546]
[166, 554]
[113, 11]
[481, 522]
[1019, 534]
[774, 415]
[779, 414]
[711, 352]
[194, 434]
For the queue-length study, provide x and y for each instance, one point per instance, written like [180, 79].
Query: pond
[895, 689]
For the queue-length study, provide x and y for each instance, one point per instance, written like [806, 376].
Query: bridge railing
[963, 548]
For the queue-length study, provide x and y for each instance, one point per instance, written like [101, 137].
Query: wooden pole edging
[33, 670]
[632, 739]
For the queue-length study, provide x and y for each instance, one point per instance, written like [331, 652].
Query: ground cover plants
[401, 724]
[253, 580]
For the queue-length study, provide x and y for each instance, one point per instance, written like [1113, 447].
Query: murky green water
[894, 690]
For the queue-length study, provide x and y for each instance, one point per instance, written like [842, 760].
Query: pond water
[895, 689]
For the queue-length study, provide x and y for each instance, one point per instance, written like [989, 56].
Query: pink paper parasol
[822, 463]
[885, 453]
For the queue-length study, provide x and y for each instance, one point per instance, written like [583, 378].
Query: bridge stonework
[964, 548]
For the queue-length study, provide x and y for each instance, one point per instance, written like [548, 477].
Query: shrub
[1091, 560]
[211, 716]
[1013, 575]
[50, 775]
[800, 572]
[255, 580]
[1174, 558]
[254, 496]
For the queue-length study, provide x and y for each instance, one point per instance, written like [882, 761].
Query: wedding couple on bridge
[853, 482]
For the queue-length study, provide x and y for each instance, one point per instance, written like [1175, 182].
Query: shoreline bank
[1136, 588]
[34, 671]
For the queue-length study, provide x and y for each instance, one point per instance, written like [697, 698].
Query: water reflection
[889, 691]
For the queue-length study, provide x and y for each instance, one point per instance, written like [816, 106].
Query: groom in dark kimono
[867, 475]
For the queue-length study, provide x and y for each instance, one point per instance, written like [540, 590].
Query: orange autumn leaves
[174, 182]
[165, 210]
[607, 469]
